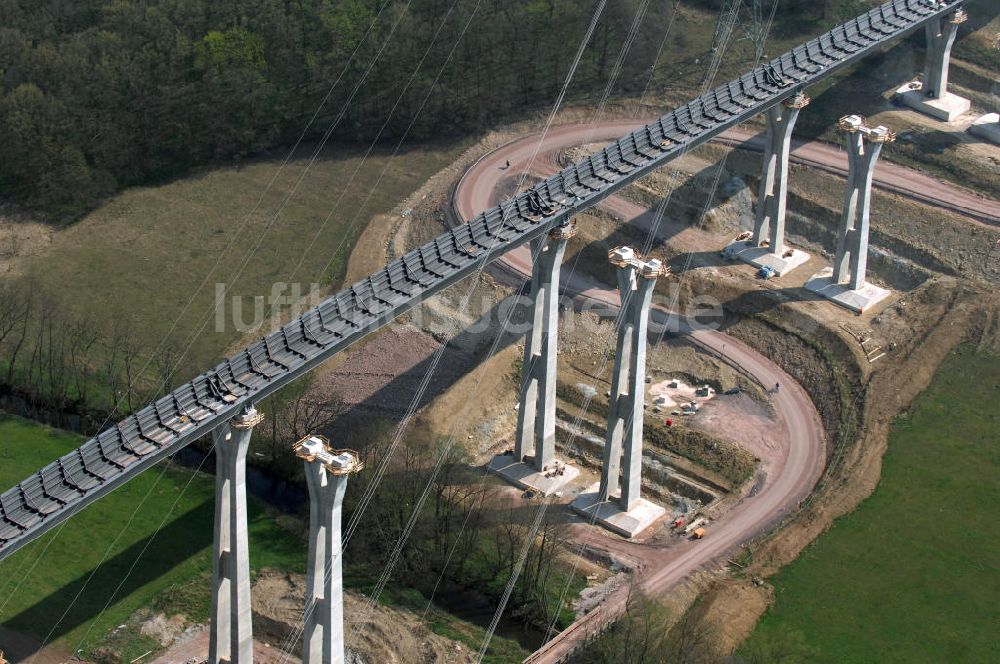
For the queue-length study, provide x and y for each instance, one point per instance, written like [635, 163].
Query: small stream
[274, 491]
[478, 609]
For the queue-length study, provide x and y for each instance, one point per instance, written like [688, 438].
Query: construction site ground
[934, 260]
[373, 633]
[938, 264]
[942, 267]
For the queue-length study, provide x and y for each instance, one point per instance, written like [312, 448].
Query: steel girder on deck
[110, 459]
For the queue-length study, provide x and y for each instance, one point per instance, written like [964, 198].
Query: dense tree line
[100, 94]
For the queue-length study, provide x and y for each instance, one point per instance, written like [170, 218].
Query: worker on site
[777, 387]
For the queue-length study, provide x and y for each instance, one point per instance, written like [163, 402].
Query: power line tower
[758, 27]
[751, 17]
[729, 15]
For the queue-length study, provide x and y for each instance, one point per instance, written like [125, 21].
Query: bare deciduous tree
[167, 360]
[648, 633]
[16, 303]
[131, 361]
[83, 337]
[309, 413]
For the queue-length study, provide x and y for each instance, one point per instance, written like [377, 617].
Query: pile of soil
[379, 635]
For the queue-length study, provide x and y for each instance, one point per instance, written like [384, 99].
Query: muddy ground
[374, 634]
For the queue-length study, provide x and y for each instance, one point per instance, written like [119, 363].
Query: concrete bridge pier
[627, 513]
[621, 400]
[931, 96]
[625, 406]
[987, 127]
[230, 634]
[326, 472]
[766, 246]
[533, 464]
[846, 282]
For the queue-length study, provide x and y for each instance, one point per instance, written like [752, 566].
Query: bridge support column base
[761, 257]
[858, 300]
[326, 471]
[609, 513]
[523, 474]
[987, 127]
[230, 637]
[948, 108]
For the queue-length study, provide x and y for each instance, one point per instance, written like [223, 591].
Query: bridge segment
[210, 400]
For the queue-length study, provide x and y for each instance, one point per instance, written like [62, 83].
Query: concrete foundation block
[526, 476]
[948, 108]
[987, 127]
[761, 256]
[858, 301]
[609, 514]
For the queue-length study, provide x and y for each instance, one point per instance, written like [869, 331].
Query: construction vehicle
[695, 524]
[698, 534]
[739, 243]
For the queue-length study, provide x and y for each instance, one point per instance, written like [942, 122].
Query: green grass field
[913, 575]
[153, 534]
[150, 250]
[148, 545]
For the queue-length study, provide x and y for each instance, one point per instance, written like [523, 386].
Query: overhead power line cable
[118, 404]
[595, 118]
[712, 71]
[474, 282]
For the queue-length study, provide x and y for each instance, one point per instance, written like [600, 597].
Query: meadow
[913, 575]
[150, 259]
[135, 548]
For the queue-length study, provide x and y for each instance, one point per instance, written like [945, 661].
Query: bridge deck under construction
[119, 453]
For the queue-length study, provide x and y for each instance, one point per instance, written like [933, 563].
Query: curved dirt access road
[478, 181]
[889, 176]
[790, 464]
